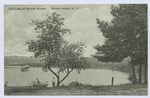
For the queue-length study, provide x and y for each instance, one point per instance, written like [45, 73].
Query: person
[33, 82]
[53, 82]
[6, 84]
[38, 82]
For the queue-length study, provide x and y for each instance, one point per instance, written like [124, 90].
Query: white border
[2, 2]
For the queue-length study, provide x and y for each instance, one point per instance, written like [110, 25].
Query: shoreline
[124, 89]
[56, 67]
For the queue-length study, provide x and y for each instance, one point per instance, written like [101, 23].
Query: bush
[131, 78]
[63, 85]
[75, 84]
[78, 84]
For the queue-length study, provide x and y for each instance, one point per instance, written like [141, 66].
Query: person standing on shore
[38, 82]
[6, 84]
[53, 82]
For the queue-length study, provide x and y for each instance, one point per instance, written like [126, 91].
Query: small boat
[25, 67]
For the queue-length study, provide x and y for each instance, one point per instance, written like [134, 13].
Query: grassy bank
[126, 89]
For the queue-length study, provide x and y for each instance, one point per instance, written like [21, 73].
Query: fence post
[112, 81]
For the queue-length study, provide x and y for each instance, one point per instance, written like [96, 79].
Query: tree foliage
[126, 34]
[53, 50]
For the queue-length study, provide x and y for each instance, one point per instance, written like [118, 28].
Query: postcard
[75, 49]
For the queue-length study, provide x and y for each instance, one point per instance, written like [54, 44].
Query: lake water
[16, 77]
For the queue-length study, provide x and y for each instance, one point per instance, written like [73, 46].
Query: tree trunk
[58, 78]
[134, 76]
[140, 73]
[145, 74]
[58, 83]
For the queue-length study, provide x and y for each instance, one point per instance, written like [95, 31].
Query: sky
[81, 19]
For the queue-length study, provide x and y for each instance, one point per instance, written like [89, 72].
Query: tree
[53, 50]
[126, 35]
[70, 58]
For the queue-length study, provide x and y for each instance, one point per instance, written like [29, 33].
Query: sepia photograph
[75, 49]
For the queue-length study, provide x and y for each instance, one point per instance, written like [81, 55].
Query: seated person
[6, 84]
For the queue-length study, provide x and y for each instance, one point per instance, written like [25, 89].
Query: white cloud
[15, 46]
[13, 18]
[82, 24]
[81, 20]
[41, 14]
[104, 13]
[18, 52]
[22, 33]
[16, 24]
[84, 27]
[84, 19]
[75, 37]
[91, 38]
[12, 42]
[89, 51]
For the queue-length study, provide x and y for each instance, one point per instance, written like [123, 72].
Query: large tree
[126, 35]
[53, 49]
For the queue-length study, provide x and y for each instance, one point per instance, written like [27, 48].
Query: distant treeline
[30, 64]
[91, 63]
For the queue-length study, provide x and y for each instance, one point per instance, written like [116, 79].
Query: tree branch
[71, 70]
[53, 72]
[67, 74]
[59, 72]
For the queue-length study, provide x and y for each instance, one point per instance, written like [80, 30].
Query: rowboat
[25, 67]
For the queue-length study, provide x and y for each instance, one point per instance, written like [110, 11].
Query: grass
[126, 89]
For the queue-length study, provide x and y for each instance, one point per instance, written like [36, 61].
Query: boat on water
[25, 67]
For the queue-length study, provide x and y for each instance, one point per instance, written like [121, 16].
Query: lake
[15, 77]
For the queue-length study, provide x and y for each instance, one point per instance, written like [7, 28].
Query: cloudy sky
[81, 19]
